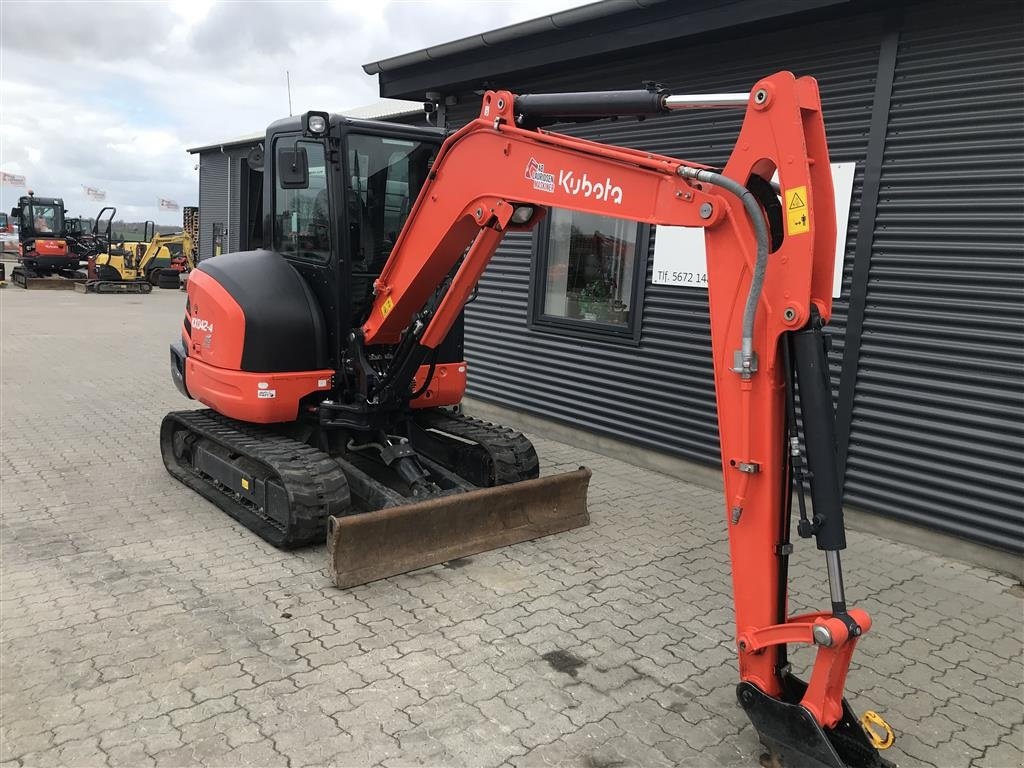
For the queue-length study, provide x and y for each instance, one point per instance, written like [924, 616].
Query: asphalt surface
[142, 626]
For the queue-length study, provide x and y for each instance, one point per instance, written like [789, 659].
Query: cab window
[385, 176]
[45, 219]
[302, 220]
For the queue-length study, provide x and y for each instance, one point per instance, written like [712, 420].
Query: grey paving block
[141, 626]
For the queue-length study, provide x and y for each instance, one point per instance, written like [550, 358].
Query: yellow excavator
[139, 267]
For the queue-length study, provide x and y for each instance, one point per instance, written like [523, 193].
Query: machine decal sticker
[385, 308]
[202, 325]
[574, 185]
[266, 394]
[797, 220]
[545, 182]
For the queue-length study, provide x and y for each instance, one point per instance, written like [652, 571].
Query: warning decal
[797, 222]
[385, 308]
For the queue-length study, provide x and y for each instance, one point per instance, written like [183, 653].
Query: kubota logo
[202, 325]
[574, 185]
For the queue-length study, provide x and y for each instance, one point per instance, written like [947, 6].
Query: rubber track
[513, 455]
[314, 482]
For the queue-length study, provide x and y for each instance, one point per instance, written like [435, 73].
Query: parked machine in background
[8, 234]
[134, 266]
[42, 248]
[139, 267]
[87, 241]
[329, 363]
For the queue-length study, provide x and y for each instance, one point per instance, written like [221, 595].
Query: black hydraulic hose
[430, 377]
[757, 221]
[785, 546]
[798, 472]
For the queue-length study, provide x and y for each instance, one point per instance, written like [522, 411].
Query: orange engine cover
[447, 386]
[214, 335]
[260, 398]
[48, 247]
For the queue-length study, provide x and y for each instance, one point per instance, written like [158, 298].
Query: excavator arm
[769, 294]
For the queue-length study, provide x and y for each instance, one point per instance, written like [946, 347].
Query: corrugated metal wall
[937, 435]
[236, 158]
[213, 198]
[660, 394]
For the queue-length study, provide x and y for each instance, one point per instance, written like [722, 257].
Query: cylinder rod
[706, 100]
[835, 581]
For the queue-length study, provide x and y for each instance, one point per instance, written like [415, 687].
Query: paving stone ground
[141, 626]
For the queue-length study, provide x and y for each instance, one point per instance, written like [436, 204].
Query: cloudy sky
[109, 95]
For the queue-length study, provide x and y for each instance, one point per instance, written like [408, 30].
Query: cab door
[301, 190]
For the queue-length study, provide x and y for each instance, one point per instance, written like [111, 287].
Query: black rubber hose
[430, 377]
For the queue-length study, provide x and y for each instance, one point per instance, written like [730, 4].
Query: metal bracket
[750, 467]
[395, 451]
[743, 367]
[783, 550]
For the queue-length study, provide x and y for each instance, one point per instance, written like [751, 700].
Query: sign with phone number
[681, 260]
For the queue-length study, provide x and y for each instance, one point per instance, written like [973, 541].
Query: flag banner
[93, 193]
[12, 179]
[167, 205]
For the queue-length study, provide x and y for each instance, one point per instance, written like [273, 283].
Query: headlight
[316, 122]
[522, 214]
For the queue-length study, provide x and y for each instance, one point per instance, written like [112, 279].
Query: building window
[590, 274]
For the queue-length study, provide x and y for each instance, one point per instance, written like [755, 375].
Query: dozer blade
[375, 545]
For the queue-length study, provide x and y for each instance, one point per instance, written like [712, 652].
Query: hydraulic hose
[760, 263]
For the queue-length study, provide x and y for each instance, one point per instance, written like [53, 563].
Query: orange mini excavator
[329, 364]
[42, 247]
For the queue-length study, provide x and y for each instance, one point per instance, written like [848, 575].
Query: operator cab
[41, 217]
[337, 192]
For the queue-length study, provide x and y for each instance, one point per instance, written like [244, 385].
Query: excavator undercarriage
[483, 479]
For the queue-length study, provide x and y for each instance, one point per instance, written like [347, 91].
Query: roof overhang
[244, 141]
[599, 29]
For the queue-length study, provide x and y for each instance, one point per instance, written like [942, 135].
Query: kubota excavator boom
[770, 261]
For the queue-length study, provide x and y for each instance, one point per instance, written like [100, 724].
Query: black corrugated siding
[213, 198]
[660, 394]
[237, 156]
[937, 435]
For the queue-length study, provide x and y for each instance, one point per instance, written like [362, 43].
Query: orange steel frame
[487, 169]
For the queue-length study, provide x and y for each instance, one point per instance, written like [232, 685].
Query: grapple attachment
[375, 545]
[794, 739]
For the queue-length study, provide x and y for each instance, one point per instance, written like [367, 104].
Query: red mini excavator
[42, 247]
[329, 363]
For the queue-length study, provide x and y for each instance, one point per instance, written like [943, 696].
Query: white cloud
[112, 95]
